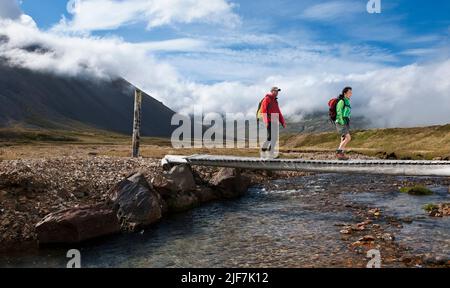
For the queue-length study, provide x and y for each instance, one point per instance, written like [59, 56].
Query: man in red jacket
[269, 109]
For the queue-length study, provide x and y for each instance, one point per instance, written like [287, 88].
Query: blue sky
[405, 28]
[223, 55]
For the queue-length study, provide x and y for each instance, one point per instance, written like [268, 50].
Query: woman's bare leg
[345, 140]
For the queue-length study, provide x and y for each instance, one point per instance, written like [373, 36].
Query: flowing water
[424, 234]
[288, 225]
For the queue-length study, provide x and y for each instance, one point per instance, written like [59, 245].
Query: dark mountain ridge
[44, 100]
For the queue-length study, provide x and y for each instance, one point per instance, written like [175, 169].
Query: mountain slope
[44, 100]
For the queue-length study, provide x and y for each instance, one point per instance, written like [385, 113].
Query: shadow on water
[279, 227]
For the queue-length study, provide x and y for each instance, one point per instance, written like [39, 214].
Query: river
[291, 223]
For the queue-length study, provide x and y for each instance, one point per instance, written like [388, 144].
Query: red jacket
[270, 106]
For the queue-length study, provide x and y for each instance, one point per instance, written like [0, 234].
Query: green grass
[416, 191]
[19, 135]
[32, 136]
[405, 143]
[430, 207]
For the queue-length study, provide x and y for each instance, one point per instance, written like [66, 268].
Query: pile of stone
[134, 203]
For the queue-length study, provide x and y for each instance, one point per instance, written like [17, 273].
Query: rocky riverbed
[80, 190]
[31, 189]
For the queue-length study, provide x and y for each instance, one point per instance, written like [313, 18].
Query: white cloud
[9, 9]
[174, 45]
[412, 95]
[406, 96]
[309, 75]
[419, 51]
[91, 15]
[333, 10]
[247, 65]
[424, 39]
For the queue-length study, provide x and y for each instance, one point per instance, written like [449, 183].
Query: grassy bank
[405, 143]
[19, 143]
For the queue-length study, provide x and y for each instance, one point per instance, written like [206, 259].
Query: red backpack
[332, 104]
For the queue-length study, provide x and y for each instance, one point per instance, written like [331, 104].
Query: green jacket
[343, 112]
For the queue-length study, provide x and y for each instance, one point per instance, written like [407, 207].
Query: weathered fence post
[137, 123]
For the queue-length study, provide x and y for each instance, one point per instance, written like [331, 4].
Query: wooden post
[137, 123]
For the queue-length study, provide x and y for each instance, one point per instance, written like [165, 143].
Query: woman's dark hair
[344, 91]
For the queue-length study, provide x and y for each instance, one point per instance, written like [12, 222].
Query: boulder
[230, 183]
[77, 224]
[163, 186]
[179, 190]
[206, 194]
[198, 178]
[179, 179]
[182, 178]
[135, 202]
[180, 202]
[182, 189]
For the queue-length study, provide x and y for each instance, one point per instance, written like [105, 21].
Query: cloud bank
[91, 15]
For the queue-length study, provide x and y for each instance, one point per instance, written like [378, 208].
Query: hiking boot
[341, 156]
[266, 146]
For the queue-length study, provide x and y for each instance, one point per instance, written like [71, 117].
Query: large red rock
[77, 224]
[133, 203]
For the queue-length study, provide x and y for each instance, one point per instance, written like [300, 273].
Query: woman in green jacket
[343, 114]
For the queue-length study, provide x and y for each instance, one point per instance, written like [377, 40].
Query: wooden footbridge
[384, 167]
